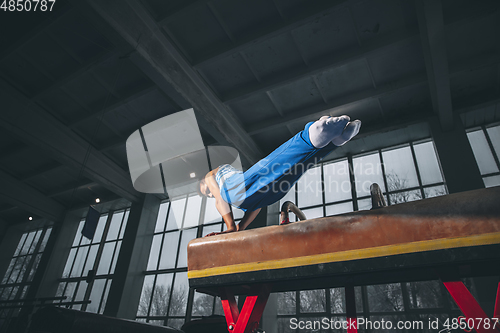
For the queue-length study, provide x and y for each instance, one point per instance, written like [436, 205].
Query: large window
[91, 264]
[21, 270]
[485, 143]
[404, 173]
[165, 292]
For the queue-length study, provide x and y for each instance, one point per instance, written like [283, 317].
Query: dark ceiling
[77, 81]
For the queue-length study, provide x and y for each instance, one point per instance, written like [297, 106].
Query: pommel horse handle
[378, 199]
[290, 206]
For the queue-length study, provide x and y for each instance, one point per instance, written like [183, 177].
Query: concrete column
[269, 322]
[458, 163]
[125, 291]
[55, 255]
[461, 173]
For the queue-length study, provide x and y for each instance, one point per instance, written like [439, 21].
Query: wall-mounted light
[192, 175]
[97, 200]
[30, 218]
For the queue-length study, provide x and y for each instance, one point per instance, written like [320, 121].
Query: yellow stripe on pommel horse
[447, 237]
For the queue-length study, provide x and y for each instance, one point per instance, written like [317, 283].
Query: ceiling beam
[484, 60]
[112, 144]
[169, 91]
[5, 206]
[13, 150]
[10, 208]
[34, 33]
[340, 59]
[372, 47]
[132, 21]
[77, 72]
[137, 93]
[261, 34]
[430, 21]
[335, 108]
[32, 124]
[54, 166]
[479, 106]
[384, 125]
[174, 97]
[181, 10]
[21, 195]
[481, 10]
[68, 189]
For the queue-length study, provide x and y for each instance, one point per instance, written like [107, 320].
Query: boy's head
[203, 189]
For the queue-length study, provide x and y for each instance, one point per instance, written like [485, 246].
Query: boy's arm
[227, 215]
[222, 206]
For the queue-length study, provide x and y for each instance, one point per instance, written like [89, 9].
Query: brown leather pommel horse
[447, 238]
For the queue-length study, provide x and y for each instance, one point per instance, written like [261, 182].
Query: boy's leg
[338, 130]
[271, 178]
[247, 219]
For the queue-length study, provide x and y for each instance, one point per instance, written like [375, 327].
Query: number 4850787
[27, 5]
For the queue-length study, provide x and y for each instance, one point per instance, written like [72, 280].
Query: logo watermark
[434, 324]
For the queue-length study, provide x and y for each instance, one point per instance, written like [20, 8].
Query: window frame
[176, 270]
[83, 277]
[496, 158]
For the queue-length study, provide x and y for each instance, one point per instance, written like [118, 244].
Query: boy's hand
[218, 233]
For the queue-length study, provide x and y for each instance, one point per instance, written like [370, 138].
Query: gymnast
[272, 177]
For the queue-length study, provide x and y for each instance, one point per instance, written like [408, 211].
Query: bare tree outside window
[397, 183]
[159, 303]
[425, 294]
[99, 254]
[385, 297]
[202, 305]
[21, 270]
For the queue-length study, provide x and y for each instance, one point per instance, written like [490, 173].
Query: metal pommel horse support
[447, 238]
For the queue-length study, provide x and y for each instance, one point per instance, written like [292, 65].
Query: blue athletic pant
[272, 177]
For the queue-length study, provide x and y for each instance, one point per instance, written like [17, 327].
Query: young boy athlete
[272, 177]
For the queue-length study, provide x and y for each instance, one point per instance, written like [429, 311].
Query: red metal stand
[246, 321]
[470, 307]
[350, 304]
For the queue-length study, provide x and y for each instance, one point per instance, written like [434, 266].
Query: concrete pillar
[55, 255]
[125, 291]
[461, 173]
[269, 322]
[458, 163]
